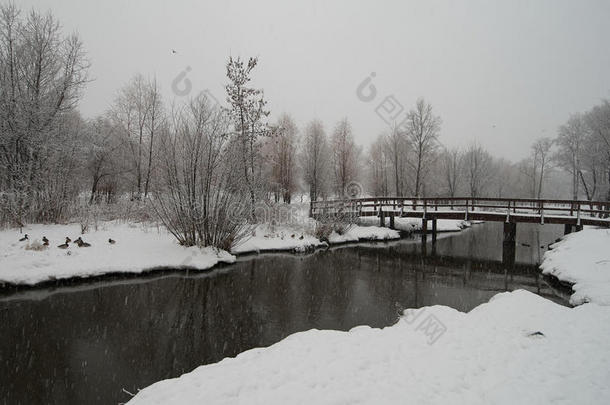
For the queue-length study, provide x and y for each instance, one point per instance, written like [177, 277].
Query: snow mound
[518, 348]
[583, 259]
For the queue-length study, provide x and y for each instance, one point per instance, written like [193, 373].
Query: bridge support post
[509, 245]
[510, 232]
[434, 230]
[392, 220]
[567, 228]
[424, 226]
[381, 218]
[578, 228]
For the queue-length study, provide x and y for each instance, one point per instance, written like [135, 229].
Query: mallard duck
[64, 245]
[81, 243]
[45, 241]
[68, 240]
[111, 241]
[25, 237]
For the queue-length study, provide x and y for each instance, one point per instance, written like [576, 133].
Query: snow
[583, 259]
[363, 233]
[274, 238]
[518, 348]
[141, 247]
[138, 248]
[415, 224]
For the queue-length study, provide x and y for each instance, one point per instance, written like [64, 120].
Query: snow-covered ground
[583, 259]
[138, 248]
[518, 348]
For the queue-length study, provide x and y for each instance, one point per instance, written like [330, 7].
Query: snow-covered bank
[267, 238]
[138, 248]
[582, 259]
[415, 224]
[285, 238]
[518, 348]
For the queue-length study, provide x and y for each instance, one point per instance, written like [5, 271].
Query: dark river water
[89, 341]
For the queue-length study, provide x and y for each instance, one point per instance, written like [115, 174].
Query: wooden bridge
[510, 211]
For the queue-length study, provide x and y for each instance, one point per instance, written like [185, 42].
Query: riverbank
[582, 259]
[519, 347]
[141, 248]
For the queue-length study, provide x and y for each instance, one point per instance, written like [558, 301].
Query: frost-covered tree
[138, 111]
[247, 112]
[42, 73]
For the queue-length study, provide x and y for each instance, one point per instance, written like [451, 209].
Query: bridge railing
[399, 205]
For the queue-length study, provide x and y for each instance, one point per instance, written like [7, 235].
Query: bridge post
[392, 220]
[434, 230]
[578, 228]
[424, 226]
[510, 231]
[381, 216]
[567, 228]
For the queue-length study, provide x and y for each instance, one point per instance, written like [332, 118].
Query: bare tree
[282, 158]
[397, 149]
[478, 166]
[101, 162]
[570, 148]
[314, 159]
[598, 121]
[200, 201]
[379, 166]
[345, 156]
[541, 150]
[137, 110]
[422, 128]
[451, 165]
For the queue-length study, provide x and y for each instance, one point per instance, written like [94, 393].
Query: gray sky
[502, 73]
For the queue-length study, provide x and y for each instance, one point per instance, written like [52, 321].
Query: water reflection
[85, 344]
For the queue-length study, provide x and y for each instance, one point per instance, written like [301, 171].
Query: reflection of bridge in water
[479, 275]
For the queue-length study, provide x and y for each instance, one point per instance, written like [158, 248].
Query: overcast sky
[503, 73]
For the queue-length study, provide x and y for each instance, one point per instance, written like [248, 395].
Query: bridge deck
[494, 209]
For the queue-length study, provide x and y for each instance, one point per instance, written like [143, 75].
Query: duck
[25, 237]
[65, 245]
[45, 241]
[111, 241]
[81, 243]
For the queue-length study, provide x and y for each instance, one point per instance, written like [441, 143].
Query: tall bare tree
[314, 159]
[451, 165]
[541, 150]
[478, 166]
[570, 143]
[283, 158]
[423, 129]
[345, 156]
[138, 111]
